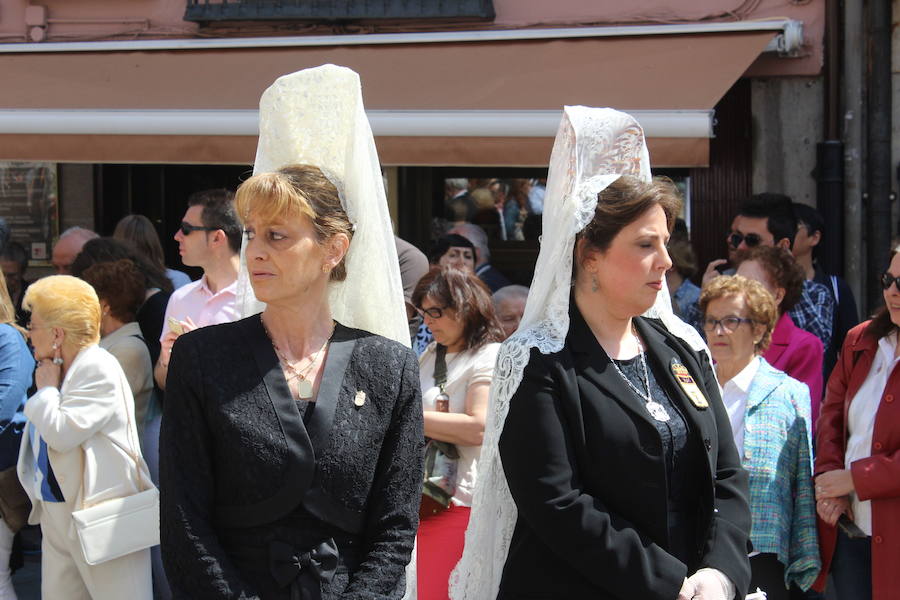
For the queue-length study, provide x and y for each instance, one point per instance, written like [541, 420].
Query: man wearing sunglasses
[768, 219]
[209, 237]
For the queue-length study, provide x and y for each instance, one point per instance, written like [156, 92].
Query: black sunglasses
[751, 239]
[887, 280]
[186, 228]
[433, 312]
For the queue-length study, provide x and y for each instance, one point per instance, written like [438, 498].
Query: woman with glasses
[858, 457]
[792, 350]
[769, 413]
[455, 372]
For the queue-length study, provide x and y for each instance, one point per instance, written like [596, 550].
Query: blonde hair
[761, 308]
[293, 191]
[7, 310]
[68, 303]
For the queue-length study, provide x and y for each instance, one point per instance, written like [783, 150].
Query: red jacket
[876, 478]
[799, 354]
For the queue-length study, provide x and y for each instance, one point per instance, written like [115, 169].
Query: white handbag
[119, 526]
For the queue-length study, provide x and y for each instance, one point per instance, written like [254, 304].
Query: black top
[253, 495]
[150, 317]
[590, 474]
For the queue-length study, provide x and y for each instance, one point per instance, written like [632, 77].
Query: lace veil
[593, 148]
[316, 117]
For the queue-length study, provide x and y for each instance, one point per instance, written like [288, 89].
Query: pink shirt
[196, 300]
[799, 354]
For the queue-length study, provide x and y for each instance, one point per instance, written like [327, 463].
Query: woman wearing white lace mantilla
[608, 469]
[292, 440]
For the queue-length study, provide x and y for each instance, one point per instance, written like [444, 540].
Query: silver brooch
[360, 398]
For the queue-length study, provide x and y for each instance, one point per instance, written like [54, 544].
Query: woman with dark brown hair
[857, 467]
[608, 470]
[140, 232]
[455, 373]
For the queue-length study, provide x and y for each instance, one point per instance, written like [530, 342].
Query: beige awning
[668, 73]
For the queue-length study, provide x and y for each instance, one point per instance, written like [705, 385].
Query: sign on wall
[30, 206]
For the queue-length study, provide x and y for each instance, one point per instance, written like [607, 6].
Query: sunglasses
[751, 239]
[433, 312]
[186, 228]
[729, 324]
[887, 280]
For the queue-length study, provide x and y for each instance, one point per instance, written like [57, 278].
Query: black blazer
[236, 456]
[584, 464]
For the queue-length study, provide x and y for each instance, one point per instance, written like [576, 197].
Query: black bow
[303, 571]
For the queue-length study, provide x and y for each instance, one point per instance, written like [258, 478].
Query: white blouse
[861, 420]
[463, 370]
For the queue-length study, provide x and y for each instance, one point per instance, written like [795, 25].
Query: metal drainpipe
[878, 155]
[830, 153]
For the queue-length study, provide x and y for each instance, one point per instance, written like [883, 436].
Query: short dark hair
[783, 270]
[809, 217]
[777, 208]
[623, 202]
[15, 252]
[444, 243]
[120, 284]
[219, 212]
[465, 293]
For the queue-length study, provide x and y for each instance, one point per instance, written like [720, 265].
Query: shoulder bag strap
[440, 366]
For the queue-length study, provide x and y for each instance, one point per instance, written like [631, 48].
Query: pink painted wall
[164, 19]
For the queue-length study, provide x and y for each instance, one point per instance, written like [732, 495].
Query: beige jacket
[92, 442]
[127, 345]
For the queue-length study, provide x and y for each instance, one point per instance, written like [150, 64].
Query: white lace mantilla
[593, 148]
[316, 117]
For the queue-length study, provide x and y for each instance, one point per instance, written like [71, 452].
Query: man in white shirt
[210, 238]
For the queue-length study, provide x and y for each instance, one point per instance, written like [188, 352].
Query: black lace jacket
[236, 456]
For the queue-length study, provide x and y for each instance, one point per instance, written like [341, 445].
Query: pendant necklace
[656, 410]
[304, 384]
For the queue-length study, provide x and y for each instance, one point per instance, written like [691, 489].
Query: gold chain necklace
[304, 385]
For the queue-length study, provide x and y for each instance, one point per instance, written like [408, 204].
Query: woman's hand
[831, 509]
[687, 590]
[711, 584]
[834, 484]
[47, 374]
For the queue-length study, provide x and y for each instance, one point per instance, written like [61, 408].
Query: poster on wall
[29, 204]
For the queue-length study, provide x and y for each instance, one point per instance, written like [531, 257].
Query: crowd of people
[392, 423]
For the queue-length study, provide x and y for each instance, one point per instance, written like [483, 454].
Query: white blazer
[89, 427]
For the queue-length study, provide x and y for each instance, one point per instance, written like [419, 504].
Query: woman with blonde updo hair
[304, 435]
[81, 444]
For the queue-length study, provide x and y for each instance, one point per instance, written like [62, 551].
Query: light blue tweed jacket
[778, 456]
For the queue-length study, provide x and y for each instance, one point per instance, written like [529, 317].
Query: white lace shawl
[593, 148]
[316, 117]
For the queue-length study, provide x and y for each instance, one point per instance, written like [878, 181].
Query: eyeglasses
[887, 280]
[729, 324]
[751, 239]
[434, 312]
[186, 228]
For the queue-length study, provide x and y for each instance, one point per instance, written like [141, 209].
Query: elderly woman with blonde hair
[770, 420]
[80, 447]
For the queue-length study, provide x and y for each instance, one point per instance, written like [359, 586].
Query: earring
[324, 268]
[56, 346]
[57, 360]
[594, 285]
